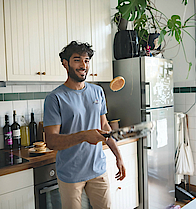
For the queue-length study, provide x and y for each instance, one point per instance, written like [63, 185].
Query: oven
[46, 189]
[47, 194]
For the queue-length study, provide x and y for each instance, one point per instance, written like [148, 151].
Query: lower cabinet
[17, 190]
[124, 194]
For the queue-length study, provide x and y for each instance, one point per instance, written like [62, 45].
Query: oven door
[47, 195]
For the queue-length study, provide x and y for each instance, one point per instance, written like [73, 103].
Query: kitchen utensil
[134, 131]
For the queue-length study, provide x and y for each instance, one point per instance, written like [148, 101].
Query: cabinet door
[124, 194]
[22, 40]
[2, 45]
[101, 40]
[53, 37]
[23, 199]
[35, 34]
[79, 24]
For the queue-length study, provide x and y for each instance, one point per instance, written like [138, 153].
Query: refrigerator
[148, 96]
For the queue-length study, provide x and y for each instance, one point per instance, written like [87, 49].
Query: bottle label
[16, 133]
[8, 138]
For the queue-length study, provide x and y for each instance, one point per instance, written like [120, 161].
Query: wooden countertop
[41, 160]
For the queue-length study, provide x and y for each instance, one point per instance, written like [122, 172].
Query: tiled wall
[22, 98]
[184, 100]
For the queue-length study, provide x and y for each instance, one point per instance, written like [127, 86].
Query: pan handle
[106, 135]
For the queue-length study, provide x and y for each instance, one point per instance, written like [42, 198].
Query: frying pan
[134, 131]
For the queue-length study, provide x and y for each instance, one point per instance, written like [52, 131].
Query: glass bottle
[24, 129]
[15, 127]
[33, 129]
[7, 133]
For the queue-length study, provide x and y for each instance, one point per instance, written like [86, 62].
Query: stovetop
[7, 158]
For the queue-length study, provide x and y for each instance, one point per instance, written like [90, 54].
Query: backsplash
[184, 101]
[22, 98]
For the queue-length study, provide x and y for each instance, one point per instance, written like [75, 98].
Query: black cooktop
[7, 158]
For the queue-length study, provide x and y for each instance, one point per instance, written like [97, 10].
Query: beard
[74, 76]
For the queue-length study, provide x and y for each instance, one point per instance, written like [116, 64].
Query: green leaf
[161, 36]
[190, 65]
[143, 36]
[174, 24]
[185, 2]
[131, 9]
[141, 22]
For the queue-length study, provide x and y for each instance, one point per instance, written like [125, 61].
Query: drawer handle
[44, 73]
[38, 73]
[95, 74]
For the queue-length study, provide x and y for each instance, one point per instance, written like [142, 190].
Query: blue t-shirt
[77, 110]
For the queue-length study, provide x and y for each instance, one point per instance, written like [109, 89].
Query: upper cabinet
[101, 40]
[37, 30]
[2, 45]
[90, 21]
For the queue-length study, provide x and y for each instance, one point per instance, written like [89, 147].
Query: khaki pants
[97, 190]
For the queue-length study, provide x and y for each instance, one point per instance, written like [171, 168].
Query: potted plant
[147, 18]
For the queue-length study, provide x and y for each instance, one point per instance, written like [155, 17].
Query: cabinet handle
[91, 74]
[44, 73]
[119, 188]
[38, 73]
[95, 74]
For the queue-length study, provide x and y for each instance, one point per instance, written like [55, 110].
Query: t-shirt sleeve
[103, 103]
[52, 115]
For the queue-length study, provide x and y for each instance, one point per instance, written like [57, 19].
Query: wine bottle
[15, 127]
[7, 132]
[33, 129]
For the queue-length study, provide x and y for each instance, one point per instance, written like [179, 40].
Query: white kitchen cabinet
[2, 45]
[124, 194]
[35, 32]
[17, 190]
[90, 21]
[101, 40]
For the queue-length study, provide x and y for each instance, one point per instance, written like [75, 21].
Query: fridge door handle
[148, 137]
[147, 89]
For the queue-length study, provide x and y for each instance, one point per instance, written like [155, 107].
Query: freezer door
[157, 82]
[159, 154]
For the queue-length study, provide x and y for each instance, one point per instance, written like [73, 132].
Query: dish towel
[183, 157]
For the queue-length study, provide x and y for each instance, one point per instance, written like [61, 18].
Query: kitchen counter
[41, 160]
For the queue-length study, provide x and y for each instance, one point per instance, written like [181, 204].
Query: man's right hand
[94, 136]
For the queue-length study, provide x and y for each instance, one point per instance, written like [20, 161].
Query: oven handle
[48, 189]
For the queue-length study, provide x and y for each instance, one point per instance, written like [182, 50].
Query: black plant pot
[122, 24]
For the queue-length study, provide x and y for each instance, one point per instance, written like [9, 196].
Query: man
[74, 121]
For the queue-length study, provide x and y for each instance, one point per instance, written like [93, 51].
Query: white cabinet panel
[101, 40]
[17, 190]
[35, 34]
[79, 20]
[53, 32]
[22, 39]
[2, 45]
[124, 194]
[20, 199]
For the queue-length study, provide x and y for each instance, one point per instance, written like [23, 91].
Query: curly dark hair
[76, 47]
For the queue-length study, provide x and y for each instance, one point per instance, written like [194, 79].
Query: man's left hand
[122, 171]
